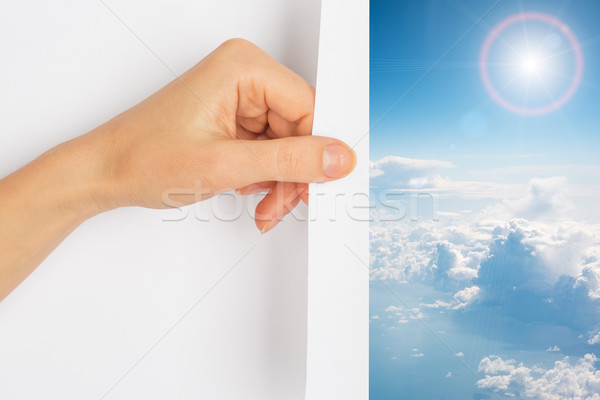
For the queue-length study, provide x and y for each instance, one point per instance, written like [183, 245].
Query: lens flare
[532, 65]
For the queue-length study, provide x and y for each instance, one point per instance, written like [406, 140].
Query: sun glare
[545, 61]
[531, 65]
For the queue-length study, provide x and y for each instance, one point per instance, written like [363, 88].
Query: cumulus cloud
[392, 171]
[454, 251]
[452, 262]
[538, 275]
[521, 269]
[466, 296]
[590, 277]
[407, 252]
[526, 271]
[521, 262]
[579, 380]
[495, 365]
[546, 196]
[461, 299]
[594, 337]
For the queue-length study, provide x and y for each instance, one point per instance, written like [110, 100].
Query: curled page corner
[338, 232]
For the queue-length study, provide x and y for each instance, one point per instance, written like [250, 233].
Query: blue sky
[416, 33]
[485, 279]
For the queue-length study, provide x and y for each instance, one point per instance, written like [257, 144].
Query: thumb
[292, 159]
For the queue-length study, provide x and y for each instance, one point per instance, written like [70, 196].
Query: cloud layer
[406, 172]
[519, 263]
[576, 380]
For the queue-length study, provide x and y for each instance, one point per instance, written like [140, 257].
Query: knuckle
[236, 57]
[236, 44]
[288, 159]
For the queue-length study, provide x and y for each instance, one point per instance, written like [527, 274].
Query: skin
[237, 120]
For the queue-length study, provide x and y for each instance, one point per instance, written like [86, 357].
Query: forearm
[41, 203]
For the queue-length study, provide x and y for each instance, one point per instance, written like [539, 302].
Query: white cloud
[590, 275]
[438, 304]
[415, 313]
[409, 252]
[409, 174]
[548, 258]
[394, 309]
[494, 365]
[466, 296]
[459, 354]
[406, 172]
[564, 248]
[546, 197]
[556, 265]
[461, 299]
[579, 380]
[404, 313]
[462, 273]
[594, 337]
[416, 353]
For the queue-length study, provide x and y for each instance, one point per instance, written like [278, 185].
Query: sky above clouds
[485, 232]
[449, 115]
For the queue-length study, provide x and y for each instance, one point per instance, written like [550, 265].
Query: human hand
[238, 120]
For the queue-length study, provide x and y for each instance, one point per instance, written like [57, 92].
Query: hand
[238, 120]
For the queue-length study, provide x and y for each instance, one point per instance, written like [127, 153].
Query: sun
[531, 65]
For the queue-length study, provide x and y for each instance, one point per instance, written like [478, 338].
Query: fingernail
[269, 225]
[338, 160]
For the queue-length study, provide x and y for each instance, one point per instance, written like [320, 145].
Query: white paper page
[99, 318]
[338, 278]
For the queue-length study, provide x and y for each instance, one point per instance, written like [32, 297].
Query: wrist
[45, 201]
[85, 171]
